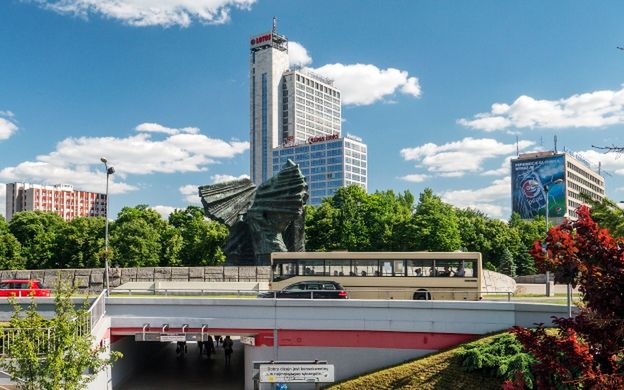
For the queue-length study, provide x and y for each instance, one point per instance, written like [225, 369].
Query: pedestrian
[210, 348]
[217, 340]
[200, 344]
[228, 347]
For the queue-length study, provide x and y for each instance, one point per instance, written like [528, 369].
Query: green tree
[202, 239]
[54, 354]
[136, 237]
[37, 231]
[608, 215]
[320, 227]
[351, 225]
[507, 264]
[80, 243]
[171, 242]
[434, 224]
[10, 248]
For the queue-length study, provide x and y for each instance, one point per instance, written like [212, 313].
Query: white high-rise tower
[296, 115]
[268, 62]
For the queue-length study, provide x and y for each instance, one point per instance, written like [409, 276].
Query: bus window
[283, 271]
[338, 267]
[447, 268]
[366, 267]
[386, 267]
[470, 269]
[399, 267]
[311, 268]
[419, 267]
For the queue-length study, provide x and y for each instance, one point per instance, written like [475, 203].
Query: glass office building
[328, 163]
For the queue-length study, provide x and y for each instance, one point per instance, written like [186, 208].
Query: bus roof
[373, 255]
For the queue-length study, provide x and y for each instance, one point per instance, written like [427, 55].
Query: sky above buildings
[439, 91]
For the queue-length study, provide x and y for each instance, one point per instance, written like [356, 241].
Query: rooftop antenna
[517, 146]
[599, 167]
[274, 25]
[541, 141]
[555, 143]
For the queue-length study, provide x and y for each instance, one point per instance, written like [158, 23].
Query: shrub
[503, 357]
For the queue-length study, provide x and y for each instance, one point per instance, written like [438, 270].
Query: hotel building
[297, 114]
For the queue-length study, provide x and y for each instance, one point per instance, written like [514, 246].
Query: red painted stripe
[333, 338]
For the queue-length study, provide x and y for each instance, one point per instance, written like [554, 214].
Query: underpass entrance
[157, 359]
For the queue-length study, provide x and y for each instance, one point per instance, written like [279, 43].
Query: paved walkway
[167, 371]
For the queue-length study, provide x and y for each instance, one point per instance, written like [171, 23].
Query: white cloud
[3, 199]
[163, 13]
[190, 193]
[164, 211]
[414, 178]
[77, 160]
[223, 178]
[7, 125]
[505, 168]
[454, 159]
[486, 199]
[592, 109]
[158, 128]
[611, 162]
[363, 84]
[360, 84]
[298, 55]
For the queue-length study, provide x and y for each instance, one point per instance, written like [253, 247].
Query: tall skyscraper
[268, 62]
[61, 199]
[292, 108]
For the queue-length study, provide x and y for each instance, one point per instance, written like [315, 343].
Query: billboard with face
[528, 179]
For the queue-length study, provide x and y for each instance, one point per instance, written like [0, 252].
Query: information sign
[173, 337]
[297, 373]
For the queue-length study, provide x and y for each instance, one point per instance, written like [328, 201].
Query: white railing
[97, 310]
[381, 294]
[43, 337]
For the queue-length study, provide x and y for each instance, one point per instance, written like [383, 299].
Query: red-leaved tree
[586, 351]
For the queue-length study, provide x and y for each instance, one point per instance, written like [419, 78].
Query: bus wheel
[422, 295]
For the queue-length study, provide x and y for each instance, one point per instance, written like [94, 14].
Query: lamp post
[109, 171]
[546, 189]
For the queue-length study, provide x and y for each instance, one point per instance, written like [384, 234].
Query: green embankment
[438, 371]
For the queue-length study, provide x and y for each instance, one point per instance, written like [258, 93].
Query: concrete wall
[531, 279]
[136, 355]
[92, 280]
[347, 362]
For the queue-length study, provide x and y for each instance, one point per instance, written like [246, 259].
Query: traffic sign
[297, 373]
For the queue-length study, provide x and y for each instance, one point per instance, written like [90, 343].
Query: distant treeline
[350, 220]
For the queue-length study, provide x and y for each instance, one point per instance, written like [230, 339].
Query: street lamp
[546, 189]
[109, 171]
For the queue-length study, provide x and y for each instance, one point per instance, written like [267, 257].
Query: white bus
[384, 275]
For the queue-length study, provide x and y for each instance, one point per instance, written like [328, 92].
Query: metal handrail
[97, 310]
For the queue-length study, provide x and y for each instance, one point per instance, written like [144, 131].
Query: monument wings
[269, 218]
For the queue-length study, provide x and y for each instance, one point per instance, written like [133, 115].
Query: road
[167, 371]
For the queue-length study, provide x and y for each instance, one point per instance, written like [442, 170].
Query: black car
[313, 289]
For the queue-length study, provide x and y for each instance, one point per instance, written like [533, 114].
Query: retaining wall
[92, 280]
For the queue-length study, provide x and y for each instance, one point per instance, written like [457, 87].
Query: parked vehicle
[311, 289]
[23, 288]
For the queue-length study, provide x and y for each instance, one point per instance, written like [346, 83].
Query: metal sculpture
[262, 220]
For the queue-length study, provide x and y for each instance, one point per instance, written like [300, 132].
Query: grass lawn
[437, 371]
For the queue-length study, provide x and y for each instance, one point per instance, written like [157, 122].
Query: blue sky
[438, 90]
